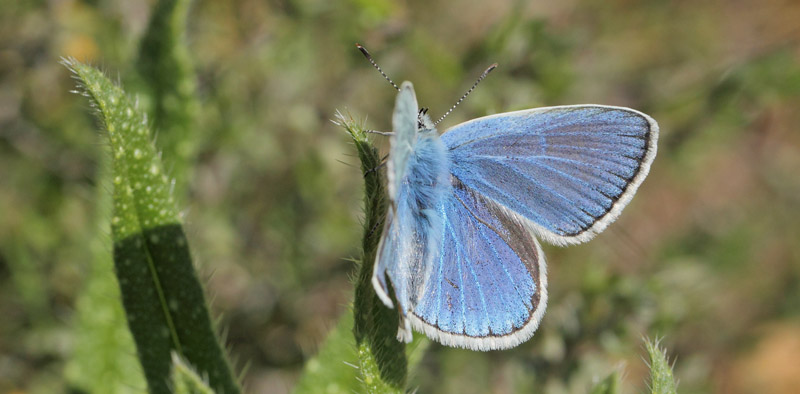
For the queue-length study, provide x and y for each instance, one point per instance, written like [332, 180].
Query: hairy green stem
[382, 357]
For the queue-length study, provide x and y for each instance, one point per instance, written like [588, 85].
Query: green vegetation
[185, 380]
[661, 380]
[163, 300]
[229, 183]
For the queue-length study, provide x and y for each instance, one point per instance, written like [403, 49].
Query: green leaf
[185, 379]
[334, 370]
[661, 379]
[609, 385]
[163, 300]
[371, 368]
[103, 350]
[165, 66]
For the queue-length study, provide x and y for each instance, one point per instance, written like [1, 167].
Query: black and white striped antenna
[377, 67]
[485, 73]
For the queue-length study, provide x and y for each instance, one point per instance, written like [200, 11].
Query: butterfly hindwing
[488, 285]
[567, 170]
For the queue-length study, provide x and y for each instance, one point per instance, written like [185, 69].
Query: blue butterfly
[460, 240]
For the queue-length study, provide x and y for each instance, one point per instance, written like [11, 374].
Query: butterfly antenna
[369, 57]
[485, 73]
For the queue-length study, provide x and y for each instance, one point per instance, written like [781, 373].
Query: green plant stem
[382, 358]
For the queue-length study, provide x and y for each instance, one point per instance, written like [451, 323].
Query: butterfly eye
[421, 124]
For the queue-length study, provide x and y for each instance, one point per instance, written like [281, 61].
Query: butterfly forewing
[568, 171]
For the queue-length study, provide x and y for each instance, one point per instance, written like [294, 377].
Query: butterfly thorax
[427, 172]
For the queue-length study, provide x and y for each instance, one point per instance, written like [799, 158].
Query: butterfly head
[424, 121]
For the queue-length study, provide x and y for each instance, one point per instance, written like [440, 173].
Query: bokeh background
[706, 256]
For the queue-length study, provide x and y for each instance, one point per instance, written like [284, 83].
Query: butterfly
[459, 249]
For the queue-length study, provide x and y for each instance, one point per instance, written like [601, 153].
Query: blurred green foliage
[609, 385]
[706, 255]
[165, 67]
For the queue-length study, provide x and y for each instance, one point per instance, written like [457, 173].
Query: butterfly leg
[404, 333]
[385, 133]
[383, 164]
[374, 228]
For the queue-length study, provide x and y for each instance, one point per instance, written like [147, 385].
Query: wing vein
[460, 286]
[489, 242]
[566, 201]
